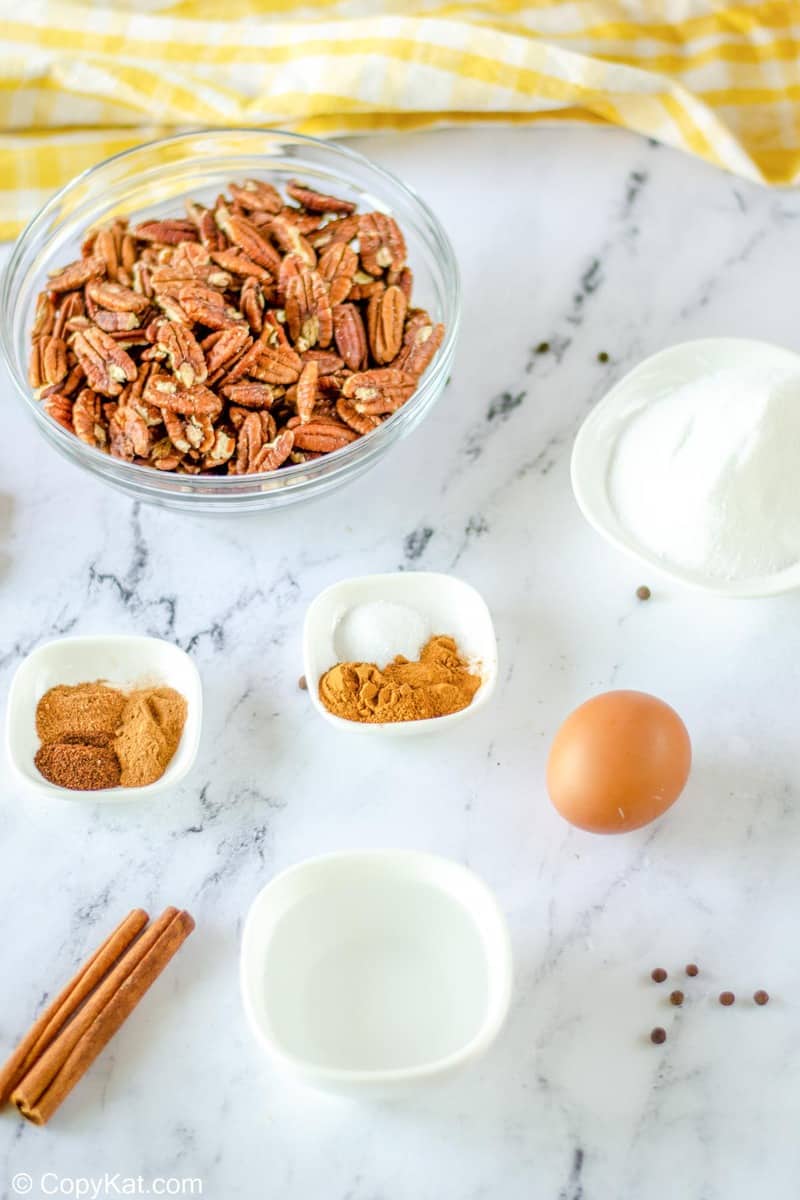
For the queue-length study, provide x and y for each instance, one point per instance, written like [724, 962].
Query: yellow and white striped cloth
[81, 80]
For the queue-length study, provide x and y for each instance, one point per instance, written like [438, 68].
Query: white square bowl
[122, 661]
[372, 973]
[449, 606]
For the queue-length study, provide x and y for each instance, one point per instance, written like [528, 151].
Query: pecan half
[105, 364]
[382, 244]
[89, 419]
[128, 434]
[254, 451]
[167, 393]
[350, 335]
[115, 322]
[306, 394]
[77, 274]
[308, 311]
[257, 196]
[190, 432]
[379, 391]
[362, 423]
[250, 395]
[386, 314]
[48, 362]
[60, 409]
[228, 344]
[178, 345]
[115, 297]
[421, 341]
[244, 234]
[170, 233]
[337, 266]
[317, 201]
[252, 302]
[322, 434]
[292, 241]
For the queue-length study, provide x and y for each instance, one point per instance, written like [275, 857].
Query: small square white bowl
[372, 973]
[122, 661]
[449, 607]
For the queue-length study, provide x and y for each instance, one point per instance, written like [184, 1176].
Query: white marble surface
[594, 241]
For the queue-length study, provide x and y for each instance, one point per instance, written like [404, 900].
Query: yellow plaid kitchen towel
[80, 81]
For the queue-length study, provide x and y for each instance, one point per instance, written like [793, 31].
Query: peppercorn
[692, 969]
[761, 997]
[658, 1035]
[543, 348]
[658, 975]
[643, 592]
[602, 357]
[676, 998]
[726, 999]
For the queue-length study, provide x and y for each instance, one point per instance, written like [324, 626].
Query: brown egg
[618, 762]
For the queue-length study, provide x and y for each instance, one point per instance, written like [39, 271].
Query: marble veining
[596, 243]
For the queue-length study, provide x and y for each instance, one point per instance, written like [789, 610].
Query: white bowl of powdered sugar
[691, 463]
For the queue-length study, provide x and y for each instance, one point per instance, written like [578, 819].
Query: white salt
[378, 631]
[707, 475]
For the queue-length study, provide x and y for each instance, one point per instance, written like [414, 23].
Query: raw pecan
[404, 279]
[244, 234]
[379, 391]
[178, 345]
[250, 395]
[105, 364]
[89, 419]
[306, 396]
[381, 243]
[420, 342]
[322, 434]
[305, 222]
[337, 266]
[189, 433]
[221, 450]
[203, 220]
[327, 362]
[108, 244]
[48, 362]
[256, 195]
[350, 335]
[386, 314]
[308, 311]
[292, 241]
[115, 297]
[228, 344]
[164, 457]
[77, 274]
[169, 233]
[277, 364]
[362, 423]
[364, 286]
[252, 302]
[167, 393]
[207, 307]
[239, 263]
[60, 408]
[343, 230]
[291, 266]
[128, 434]
[44, 317]
[254, 452]
[115, 322]
[317, 201]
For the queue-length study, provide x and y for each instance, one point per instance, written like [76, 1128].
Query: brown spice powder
[438, 684]
[148, 735]
[85, 708]
[83, 768]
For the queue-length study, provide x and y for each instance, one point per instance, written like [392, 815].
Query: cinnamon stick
[52, 1077]
[44, 1031]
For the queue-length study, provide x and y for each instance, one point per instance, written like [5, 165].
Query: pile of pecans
[239, 339]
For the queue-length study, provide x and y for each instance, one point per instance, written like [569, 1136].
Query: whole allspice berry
[676, 998]
[643, 592]
[658, 975]
[692, 969]
[726, 999]
[761, 997]
[658, 1035]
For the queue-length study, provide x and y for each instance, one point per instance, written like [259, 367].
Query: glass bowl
[152, 181]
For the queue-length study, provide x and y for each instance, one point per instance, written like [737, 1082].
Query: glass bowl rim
[329, 465]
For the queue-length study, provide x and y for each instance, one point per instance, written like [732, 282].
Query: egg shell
[618, 761]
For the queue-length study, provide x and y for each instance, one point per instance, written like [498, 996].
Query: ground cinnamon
[150, 729]
[439, 683]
